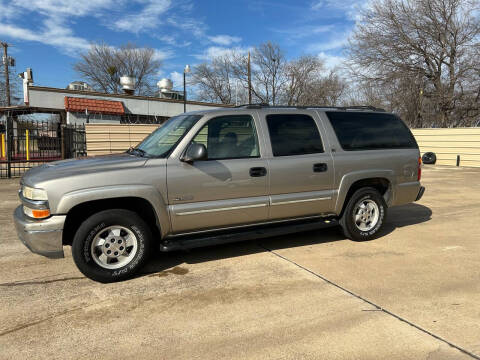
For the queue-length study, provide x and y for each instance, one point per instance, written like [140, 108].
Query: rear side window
[293, 134]
[371, 131]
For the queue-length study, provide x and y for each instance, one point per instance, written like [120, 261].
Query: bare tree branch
[428, 43]
[102, 66]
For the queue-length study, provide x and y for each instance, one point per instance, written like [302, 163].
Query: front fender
[350, 178]
[71, 199]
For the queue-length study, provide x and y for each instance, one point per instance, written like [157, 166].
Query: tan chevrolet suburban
[219, 176]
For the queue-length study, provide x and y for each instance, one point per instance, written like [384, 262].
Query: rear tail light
[419, 176]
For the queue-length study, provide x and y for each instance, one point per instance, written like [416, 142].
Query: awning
[77, 104]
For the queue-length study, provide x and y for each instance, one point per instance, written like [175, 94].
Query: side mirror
[195, 152]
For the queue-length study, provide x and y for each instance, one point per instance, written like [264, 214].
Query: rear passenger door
[301, 172]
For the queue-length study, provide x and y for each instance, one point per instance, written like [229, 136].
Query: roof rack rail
[344, 108]
[252, 106]
[363, 107]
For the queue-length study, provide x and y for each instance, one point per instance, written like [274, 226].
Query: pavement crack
[377, 307]
[40, 282]
[32, 323]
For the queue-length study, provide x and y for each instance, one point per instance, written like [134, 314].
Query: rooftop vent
[165, 85]
[79, 86]
[128, 84]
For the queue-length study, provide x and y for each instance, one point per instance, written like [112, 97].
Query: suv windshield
[163, 140]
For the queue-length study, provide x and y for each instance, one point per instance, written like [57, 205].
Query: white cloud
[300, 32]
[53, 16]
[217, 51]
[177, 79]
[7, 11]
[224, 39]
[331, 61]
[169, 39]
[51, 21]
[54, 8]
[147, 18]
[188, 25]
[162, 55]
[350, 7]
[172, 40]
[335, 43]
[52, 33]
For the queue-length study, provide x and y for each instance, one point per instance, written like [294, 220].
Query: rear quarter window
[370, 131]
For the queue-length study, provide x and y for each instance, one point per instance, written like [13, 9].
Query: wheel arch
[81, 211]
[383, 182]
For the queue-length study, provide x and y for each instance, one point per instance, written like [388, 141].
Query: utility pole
[249, 72]
[7, 79]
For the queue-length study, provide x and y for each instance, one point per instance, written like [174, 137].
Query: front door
[229, 188]
[301, 172]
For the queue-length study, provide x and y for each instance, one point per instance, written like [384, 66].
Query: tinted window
[370, 131]
[229, 137]
[293, 134]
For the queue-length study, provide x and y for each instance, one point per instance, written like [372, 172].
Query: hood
[65, 168]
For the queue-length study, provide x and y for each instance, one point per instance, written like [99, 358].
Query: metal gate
[25, 143]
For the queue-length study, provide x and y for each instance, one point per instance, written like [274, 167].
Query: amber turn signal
[36, 214]
[39, 214]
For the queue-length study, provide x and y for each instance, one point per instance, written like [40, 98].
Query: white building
[78, 106]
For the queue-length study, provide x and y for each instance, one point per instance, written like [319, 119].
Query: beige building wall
[115, 138]
[448, 143]
[445, 143]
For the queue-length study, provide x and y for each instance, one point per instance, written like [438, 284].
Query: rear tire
[364, 215]
[111, 245]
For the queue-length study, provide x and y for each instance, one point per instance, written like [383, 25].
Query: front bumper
[42, 237]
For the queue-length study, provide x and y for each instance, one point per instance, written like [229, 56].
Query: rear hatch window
[371, 131]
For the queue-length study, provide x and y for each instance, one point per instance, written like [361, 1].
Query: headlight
[34, 194]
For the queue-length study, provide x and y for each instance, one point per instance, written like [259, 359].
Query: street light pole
[185, 71]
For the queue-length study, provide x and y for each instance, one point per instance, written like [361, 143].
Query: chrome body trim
[219, 209]
[33, 204]
[299, 201]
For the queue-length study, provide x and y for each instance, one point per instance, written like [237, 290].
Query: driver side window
[229, 137]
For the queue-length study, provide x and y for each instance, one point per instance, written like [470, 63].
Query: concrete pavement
[313, 295]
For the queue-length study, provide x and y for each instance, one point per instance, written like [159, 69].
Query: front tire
[364, 215]
[111, 245]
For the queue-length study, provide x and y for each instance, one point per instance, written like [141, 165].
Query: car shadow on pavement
[405, 215]
[164, 264]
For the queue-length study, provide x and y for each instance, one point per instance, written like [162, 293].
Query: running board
[260, 232]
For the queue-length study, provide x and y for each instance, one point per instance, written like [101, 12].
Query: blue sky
[48, 35]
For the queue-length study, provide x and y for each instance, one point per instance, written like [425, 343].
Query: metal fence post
[9, 133]
[62, 135]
